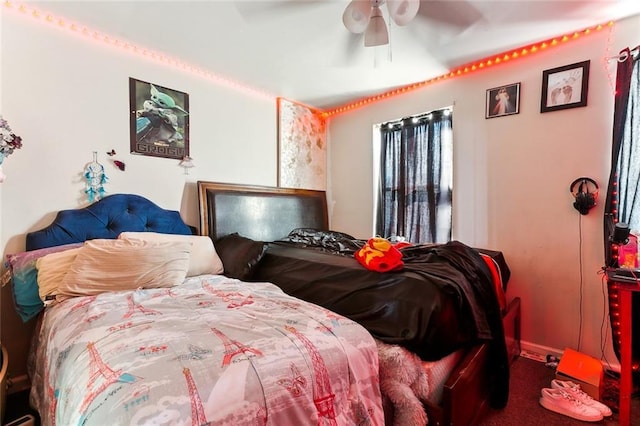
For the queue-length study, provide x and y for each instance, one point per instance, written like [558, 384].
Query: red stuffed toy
[378, 254]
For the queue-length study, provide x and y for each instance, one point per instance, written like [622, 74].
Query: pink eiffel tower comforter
[211, 351]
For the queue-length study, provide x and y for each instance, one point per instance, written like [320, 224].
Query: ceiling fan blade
[403, 11]
[356, 16]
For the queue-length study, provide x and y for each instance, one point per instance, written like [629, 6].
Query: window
[623, 194]
[415, 177]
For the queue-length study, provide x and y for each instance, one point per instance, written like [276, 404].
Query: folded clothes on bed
[379, 254]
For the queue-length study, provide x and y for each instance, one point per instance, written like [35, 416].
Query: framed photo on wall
[159, 120]
[565, 87]
[503, 100]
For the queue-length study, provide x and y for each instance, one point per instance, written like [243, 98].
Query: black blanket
[443, 300]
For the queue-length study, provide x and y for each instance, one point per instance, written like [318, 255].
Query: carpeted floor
[528, 377]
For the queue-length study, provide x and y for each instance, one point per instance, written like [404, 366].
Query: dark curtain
[625, 154]
[414, 199]
[623, 192]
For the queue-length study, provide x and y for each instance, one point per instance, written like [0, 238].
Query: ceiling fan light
[376, 33]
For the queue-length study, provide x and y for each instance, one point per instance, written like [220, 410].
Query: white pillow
[51, 271]
[204, 259]
[115, 265]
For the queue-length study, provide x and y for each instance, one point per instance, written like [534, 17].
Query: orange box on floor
[582, 369]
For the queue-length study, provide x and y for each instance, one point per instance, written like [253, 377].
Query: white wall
[67, 96]
[511, 182]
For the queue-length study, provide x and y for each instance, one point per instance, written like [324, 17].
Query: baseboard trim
[540, 352]
[18, 384]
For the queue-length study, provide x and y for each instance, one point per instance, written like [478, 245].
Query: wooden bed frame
[266, 213]
[261, 213]
[465, 399]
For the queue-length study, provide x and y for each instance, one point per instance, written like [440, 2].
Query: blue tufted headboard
[107, 218]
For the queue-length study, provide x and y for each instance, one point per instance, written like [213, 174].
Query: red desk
[624, 291]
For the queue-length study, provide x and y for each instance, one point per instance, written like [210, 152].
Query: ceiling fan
[366, 16]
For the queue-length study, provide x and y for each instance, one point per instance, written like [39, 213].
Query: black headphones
[585, 199]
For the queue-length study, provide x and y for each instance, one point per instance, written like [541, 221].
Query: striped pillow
[52, 269]
[204, 259]
[114, 265]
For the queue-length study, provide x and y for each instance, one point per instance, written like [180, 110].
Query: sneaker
[574, 390]
[560, 401]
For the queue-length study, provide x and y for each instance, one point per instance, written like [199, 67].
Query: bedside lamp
[618, 240]
[620, 233]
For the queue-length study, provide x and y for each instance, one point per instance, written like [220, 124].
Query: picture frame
[503, 100]
[565, 87]
[302, 146]
[159, 120]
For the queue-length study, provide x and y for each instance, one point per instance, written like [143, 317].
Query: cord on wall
[604, 330]
[581, 280]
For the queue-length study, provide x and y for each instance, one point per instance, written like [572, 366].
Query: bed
[435, 356]
[138, 325]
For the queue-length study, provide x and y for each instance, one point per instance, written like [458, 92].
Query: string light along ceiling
[98, 37]
[131, 48]
[482, 64]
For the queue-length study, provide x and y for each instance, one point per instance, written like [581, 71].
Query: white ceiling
[299, 49]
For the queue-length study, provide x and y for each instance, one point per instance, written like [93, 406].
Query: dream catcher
[96, 178]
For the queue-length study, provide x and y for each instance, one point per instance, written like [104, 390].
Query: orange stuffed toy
[378, 254]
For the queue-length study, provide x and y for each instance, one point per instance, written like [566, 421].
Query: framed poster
[159, 120]
[565, 87]
[302, 149]
[504, 100]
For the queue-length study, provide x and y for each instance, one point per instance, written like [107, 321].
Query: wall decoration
[9, 142]
[302, 150]
[565, 87]
[504, 100]
[95, 179]
[186, 163]
[159, 120]
[120, 165]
